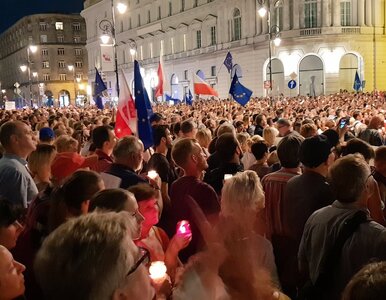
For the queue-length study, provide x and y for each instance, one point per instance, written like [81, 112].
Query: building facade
[57, 66]
[323, 43]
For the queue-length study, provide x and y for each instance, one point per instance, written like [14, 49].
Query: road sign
[267, 84]
[291, 84]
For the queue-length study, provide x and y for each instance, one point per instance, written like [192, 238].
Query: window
[76, 39]
[182, 5]
[29, 27]
[198, 38]
[148, 16]
[60, 51]
[30, 40]
[213, 71]
[151, 50]
[78, 64]
[62, 77]
[44, 52]
[60, 38]
[129, 23]
[159, 13]
[46, 77]
[170, 8]
[345, 13]
[186, 74]
[43, 38]
[172, 45]
[43, 26]
[195, 3]
[184, 42]
[61, 64]
[59, 25]
[78, 52]
[213, 38]
[139, 20]
[79, 76]
[310, 13]
[76, 26]
[278, 17]
[236, 30]
[46, 64]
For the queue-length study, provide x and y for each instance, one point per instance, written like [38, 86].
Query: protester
[104, 140]
[10, 227]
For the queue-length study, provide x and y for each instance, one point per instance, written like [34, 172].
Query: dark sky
[13, 10]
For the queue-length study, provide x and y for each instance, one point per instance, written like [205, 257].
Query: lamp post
[108, 29]
[72, 69]
[30, 49]
[273, 33]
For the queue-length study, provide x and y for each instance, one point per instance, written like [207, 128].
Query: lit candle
[152, 174]
[183, 228]
[157, 271]
[227, 176]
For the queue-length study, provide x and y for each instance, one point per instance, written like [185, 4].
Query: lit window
[59, 25]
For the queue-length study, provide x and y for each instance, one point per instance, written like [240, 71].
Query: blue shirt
[16, 183]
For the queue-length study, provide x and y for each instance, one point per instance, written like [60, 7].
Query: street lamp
[133, 48]
[108, 29]
[30, 49]
[273, 32]
[71, 68]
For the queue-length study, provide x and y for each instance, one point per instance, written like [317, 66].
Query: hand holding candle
[152, 174]
[183, 228]
[157, 271]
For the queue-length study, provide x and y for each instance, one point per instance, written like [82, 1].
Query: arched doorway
[311, 76]
[277, 76]
[175, 87]
[349, 64]
[64, 98]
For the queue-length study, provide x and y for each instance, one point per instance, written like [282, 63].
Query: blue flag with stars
[240, 93]
[189, 98]
[99, 86]
[357, 82]
[144, 110]
[228, 62]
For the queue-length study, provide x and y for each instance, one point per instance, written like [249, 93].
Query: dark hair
[142, 191]
[226, 146]
[109, 199]
[288, 150]
[159, 132]
[9, 212]
[358, 146]
[100, 135]
[259, 149]
[7, 130]
[187, 126]
[259, 119]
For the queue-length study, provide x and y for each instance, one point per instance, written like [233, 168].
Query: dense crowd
[283, 198]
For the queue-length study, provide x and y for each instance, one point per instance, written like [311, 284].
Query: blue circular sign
[291, 84]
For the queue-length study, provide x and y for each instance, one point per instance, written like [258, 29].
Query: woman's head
[235, 201]
[119, 200]
[10, 228]
[40, 160]
[270, 134]
[204, 136]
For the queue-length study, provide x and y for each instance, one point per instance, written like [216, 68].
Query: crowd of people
[281, 199]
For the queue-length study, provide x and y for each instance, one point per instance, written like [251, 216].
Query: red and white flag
[159, 91]
[126, 120]
[203, 88]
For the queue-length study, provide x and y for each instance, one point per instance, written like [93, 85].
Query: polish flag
[126, 120]
[159, 91]
[203, 88]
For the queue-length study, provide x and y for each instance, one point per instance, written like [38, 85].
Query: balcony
[310, 31]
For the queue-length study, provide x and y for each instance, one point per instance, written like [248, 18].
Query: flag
[98, 102]
[189, 98]
[170, 98]
[126, 119]
[203, 88]
[228, 62]
[357, 82]
[144, 110]
[239, 92]
[159, 90]
[99, 85]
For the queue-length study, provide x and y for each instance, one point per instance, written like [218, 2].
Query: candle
[152, 174]
[157, 271]
[227, 176]
[183, 228]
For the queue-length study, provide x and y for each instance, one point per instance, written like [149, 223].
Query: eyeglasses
[144, 259]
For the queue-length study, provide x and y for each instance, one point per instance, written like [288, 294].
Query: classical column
[286, 16]
[326, 14]
[336, 13]
[377, 13]
[369, 21]
[302, 15]
[361, 12]
[295, 14]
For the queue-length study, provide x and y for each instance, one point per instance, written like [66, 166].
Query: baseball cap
[46, 133]
[314, 151]
[66, 163]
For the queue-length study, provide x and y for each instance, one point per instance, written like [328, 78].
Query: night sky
[13, 10]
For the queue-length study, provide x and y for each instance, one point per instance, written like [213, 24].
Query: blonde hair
[64, 143]
[204, 136]
[242, 193]
[270, 134]
[43, 155]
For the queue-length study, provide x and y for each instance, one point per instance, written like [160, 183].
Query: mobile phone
[342, 123]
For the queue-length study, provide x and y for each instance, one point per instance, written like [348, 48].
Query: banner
[107, 58]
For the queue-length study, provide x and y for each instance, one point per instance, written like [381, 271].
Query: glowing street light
[23, 68]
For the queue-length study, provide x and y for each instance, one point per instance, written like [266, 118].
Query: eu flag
[239, 92]
[98, 102]
[189, 98]
[357, 82]
[144, 110]
[99, 86]
[228, 62]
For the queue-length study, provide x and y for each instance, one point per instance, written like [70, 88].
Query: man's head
[129, 152]
[157, 119]
[316, 151]
[349, 178]
[162, 136]
[187, 154]
[260, 150]
[288, 150]
[284, 127]
[188, 128]
[380, 160]
[261, 120]
[104, 138]
[93, 257]
[228, 147]
[46, 135]
[17, 138]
